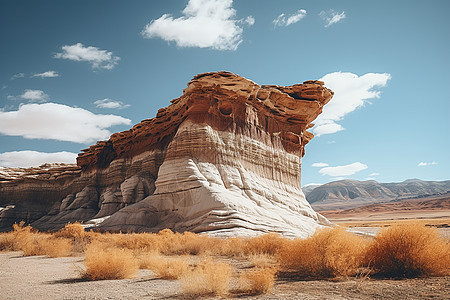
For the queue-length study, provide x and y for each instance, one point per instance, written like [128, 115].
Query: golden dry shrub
[56, 247]
[31, 242]
[104, 262]
[409, 250]
[28, 240]
[138, 242]
[232, 246]
[207, 278]
[7, 241]
[258, 280]
[263, 260]
[193, 244]
[71, 230]
[328, 253]
[77, 234]
[165, 267]
[269, 244]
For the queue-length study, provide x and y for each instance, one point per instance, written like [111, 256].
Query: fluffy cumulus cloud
[34, 96]
[345, 170]
[28, 158]
[48, 74]
[99, 59]
[58, 122]
[319, 165]
[350, 92]
[331, 17]
[424, 164]
[109, 103]
[204, 24]
[283, 20]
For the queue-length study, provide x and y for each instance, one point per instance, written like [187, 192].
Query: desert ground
[40, 277]
[433, 212]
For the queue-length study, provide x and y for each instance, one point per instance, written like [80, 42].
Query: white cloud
[250, 21]
[331, 142]
[18, 75]
[283, 20]
[319, 165]
[204, 24]
[58, 122]
[350, 92]
[24, 159]
[345, 170]
[48, 74]
[109, 103]
[321, 129]
[332, 17]
[374, 174]
[99, 59]
[423, 164]
[34, 96]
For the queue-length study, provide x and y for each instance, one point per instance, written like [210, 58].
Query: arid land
[433, 211]
[40, 277]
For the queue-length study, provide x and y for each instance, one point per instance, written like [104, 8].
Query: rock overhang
[225, 101]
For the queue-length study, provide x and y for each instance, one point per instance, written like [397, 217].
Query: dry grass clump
[270, 244]
[71, 230]
[263, 260]
[165, 267]
[55, 247]
[258, 280]
[328, 253]
[31, 242]
[166, 242]
[102, 263]
[409, 251]
[78, 236]
[7, 242]
[267, 244]
[207, 278]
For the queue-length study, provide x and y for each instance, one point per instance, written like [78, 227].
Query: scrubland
[205, 265]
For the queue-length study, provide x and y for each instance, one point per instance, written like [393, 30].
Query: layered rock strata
[223, 159]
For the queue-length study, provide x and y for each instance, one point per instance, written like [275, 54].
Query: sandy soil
[40, 277]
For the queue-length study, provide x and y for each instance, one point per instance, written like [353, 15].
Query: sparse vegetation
[409, 251]
[328, 253]
[103, 262]
[207, 277]
[258, 280]
[402, 251]
[165, 267]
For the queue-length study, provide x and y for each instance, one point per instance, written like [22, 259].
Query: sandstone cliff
[224, 159]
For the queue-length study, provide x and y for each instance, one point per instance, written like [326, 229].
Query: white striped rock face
[223, 159]
[223, 184]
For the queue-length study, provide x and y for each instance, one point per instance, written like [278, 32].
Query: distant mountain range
[347, 194]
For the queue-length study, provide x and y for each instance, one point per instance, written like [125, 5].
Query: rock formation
[223, 159]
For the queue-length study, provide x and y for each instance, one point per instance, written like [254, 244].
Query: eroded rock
[224, 159]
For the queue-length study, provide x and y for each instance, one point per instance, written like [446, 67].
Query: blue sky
[73, 72]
